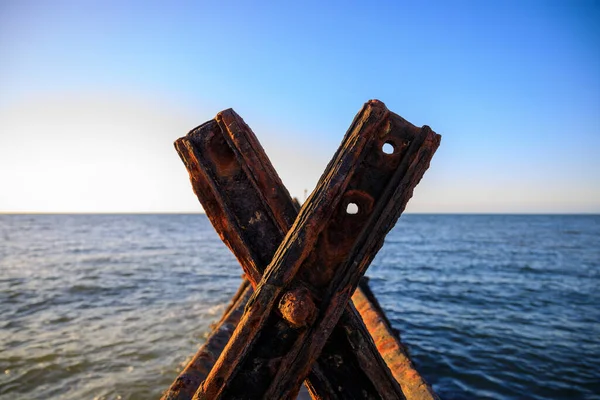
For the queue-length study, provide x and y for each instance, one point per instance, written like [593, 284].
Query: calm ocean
[112, 306]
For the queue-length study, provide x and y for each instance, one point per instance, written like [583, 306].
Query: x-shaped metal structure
[294, 320]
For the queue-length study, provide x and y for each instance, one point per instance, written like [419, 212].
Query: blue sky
[92, 95]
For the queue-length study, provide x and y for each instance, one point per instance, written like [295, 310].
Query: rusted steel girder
[252, 211]
[388, 343]
[365, 188]
[396, 357]
[393, 351]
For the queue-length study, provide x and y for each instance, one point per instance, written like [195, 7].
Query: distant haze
[93, 94]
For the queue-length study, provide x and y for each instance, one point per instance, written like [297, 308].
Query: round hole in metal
[388, 148]
[352, 208]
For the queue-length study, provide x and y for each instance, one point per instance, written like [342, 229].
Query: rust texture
[252, 211]
[393, 352]
[393, 344]
[395, 355]
[297, 307]
[186, 384]
[326, 252]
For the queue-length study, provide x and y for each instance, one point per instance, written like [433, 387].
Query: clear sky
[93, 93]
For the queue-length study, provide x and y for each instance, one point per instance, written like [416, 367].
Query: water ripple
[112, 306]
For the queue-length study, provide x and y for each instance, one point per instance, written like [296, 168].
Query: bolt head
[297, 307]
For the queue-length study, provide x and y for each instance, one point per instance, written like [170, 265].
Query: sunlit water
[111, 306]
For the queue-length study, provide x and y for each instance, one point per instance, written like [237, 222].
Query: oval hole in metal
[352, 208]
[388, 148]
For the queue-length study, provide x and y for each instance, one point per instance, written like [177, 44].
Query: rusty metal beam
[397, 156]
[384, 335]
[389, 345]
[393, 350]
[252, 211]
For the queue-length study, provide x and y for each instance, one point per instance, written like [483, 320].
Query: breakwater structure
[304, 313]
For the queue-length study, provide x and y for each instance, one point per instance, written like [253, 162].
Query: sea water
[112, 306]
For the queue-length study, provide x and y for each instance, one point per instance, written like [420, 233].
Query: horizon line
[204, 213]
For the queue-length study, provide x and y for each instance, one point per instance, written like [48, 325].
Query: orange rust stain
[222, 156]
[297, 307]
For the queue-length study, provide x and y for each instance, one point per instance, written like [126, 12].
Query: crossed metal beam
[299, 323]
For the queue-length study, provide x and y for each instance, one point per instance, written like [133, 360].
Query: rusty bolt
[297, 307]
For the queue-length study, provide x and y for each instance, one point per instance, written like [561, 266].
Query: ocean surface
[112, 306]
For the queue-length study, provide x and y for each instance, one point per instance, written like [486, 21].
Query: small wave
[95, 290]
[153, 247]
[529, 268]
[86, 289]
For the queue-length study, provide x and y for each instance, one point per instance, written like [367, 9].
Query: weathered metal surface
[216, 155]
[337, 245]
[391, 349]
[389, 344]
[240, 132]
[186, 384]
[252, 211]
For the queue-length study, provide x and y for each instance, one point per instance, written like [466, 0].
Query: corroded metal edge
[416, 147]
[251, 210]
[384, 335]
[390, 346]
[372, 328]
